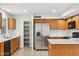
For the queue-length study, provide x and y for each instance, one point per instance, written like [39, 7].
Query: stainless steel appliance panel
[41, 33]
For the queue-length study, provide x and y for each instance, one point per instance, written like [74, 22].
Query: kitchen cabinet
[14, 24]
[76, 19]
[67, 21]
[0, 20]
[63, 49]
[7, 48]
[11, 24]
[40, 20]
[15, 43]
[61, 24]
[53, 24]
[1, 49]
[57, 24]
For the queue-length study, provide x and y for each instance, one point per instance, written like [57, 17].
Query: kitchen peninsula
[66, 47]
[9, 45]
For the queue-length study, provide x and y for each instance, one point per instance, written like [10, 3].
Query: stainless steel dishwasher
[7, 48]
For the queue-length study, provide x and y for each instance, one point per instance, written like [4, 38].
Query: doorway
[26, 33]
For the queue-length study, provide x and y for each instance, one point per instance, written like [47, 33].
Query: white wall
[20, 28]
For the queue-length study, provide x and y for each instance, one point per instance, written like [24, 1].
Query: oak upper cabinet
[39, 20]
[14, 24]
[61, 24]
[67, 21]
[53, 24]
[11, 24]
[76, 19]
[0, 20]
[1, 49]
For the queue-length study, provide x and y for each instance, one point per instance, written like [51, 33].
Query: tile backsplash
[62, 32]
[11, 33]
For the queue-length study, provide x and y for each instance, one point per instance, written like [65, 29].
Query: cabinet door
[1, 49]
[67, 21]
[0, 20]
[40, 21]
[76, 19]
[18, 41]
[12, 45]
[15, 43]
[61, 24]
[77, 22]
[14, 24]
[11, 24]
[53, 24]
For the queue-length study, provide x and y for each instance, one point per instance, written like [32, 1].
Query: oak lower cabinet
[15, 43]
[63, 49]
[1, 49]
[7, 48]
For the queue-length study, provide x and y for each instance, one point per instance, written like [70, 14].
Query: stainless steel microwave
[71, 25]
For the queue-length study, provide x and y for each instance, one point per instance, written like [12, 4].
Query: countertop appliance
[75, 35]
[41, 34]
[71, 25]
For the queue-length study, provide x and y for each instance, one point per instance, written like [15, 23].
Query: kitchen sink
[7, 37]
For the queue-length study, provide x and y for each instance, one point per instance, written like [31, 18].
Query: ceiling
[37, 8]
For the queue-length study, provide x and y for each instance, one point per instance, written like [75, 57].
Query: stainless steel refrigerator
[41, 34]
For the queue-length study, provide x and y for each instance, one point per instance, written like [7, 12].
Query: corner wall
[20, 28]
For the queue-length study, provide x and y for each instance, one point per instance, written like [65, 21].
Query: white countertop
[64, 41]
[4, 39]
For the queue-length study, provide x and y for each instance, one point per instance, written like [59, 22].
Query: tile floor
[28, 52]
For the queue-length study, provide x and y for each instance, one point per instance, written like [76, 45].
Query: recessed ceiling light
[25, 10]
[8, 10]
[53, 10]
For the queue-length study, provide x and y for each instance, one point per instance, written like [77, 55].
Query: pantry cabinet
[1, 49]
[0, 20]
[11, 24]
